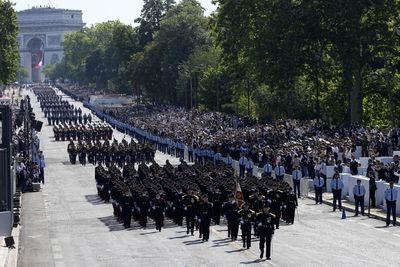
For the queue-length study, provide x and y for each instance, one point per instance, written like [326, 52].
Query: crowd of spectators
[307, 144]
[28, 158]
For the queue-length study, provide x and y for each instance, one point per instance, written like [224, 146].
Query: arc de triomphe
[41, 33]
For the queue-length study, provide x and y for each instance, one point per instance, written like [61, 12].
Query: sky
[95, 11]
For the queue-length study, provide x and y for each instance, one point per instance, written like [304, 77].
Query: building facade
[41, 33]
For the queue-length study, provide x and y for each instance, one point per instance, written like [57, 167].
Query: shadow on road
[217, 245]
[252, 262]
[149, 233]
[236, 250]
[222, 241]
[178, 237]
[193, 242]
[112, 223]
[94, 199]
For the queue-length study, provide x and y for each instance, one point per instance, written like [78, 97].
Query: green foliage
[183, 30]
[98, 55]
[335, 61]
[324, 54]
[23, 75]
[9, 55]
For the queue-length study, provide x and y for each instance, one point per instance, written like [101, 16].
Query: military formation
[88, 132]
[197, 196]
[69, 122]
[57, 110]
[110, 152]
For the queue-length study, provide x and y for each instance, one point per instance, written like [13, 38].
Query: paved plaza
[66, 224]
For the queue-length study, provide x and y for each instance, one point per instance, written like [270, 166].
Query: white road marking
[381, 230]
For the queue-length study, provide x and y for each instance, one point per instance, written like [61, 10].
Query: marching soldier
[247, 216]
[265, 221]
[205, 210]
[82, 153]
[276, 207]
[127, 205]
[158, 211]
[290, 207]
[71, 149]
[144, 206]
[190, 207]
[217, 203]
[256, 203]
[232, 217]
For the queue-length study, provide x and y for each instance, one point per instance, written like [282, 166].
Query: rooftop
[41, 9]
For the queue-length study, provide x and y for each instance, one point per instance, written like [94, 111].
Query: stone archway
[36, 49]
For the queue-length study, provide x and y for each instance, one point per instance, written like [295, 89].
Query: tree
[150, 19]
[99, 55]
[9, 55]
[182, 31]
[326, 47]
[22, 75]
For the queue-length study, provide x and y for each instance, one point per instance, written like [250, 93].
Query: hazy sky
[100, 10]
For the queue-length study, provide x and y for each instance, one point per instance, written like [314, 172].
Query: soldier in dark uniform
[82, 154]
[99, 177]
[90, 151]
[205, 211]
[62, 132]
[98, 152]
[232, 217]
[71, 149]
[246, 219]
[217, 203]
[107, 153]
[48, 119]
[276, 207]
[158, 211]
[190, 207]
[56, 131]
[127, 205]
[144, 206]
[178, 209]
[265, 221]
[290, 209]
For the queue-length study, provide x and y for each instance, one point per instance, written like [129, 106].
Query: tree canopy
[9, 55]
[335, 61]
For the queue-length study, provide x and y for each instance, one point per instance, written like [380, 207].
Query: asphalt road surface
[66, 224]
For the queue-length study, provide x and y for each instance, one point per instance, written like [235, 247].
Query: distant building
[41, 33]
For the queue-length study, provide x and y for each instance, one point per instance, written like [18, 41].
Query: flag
[39, 65]
[37, 57]
[239, 195]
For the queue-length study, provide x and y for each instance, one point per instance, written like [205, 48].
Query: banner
[239, 195]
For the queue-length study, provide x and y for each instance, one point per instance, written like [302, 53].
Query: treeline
[9, 55]
[333, 60]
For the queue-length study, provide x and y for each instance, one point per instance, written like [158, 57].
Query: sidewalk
[376, 213]
[9, 256]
